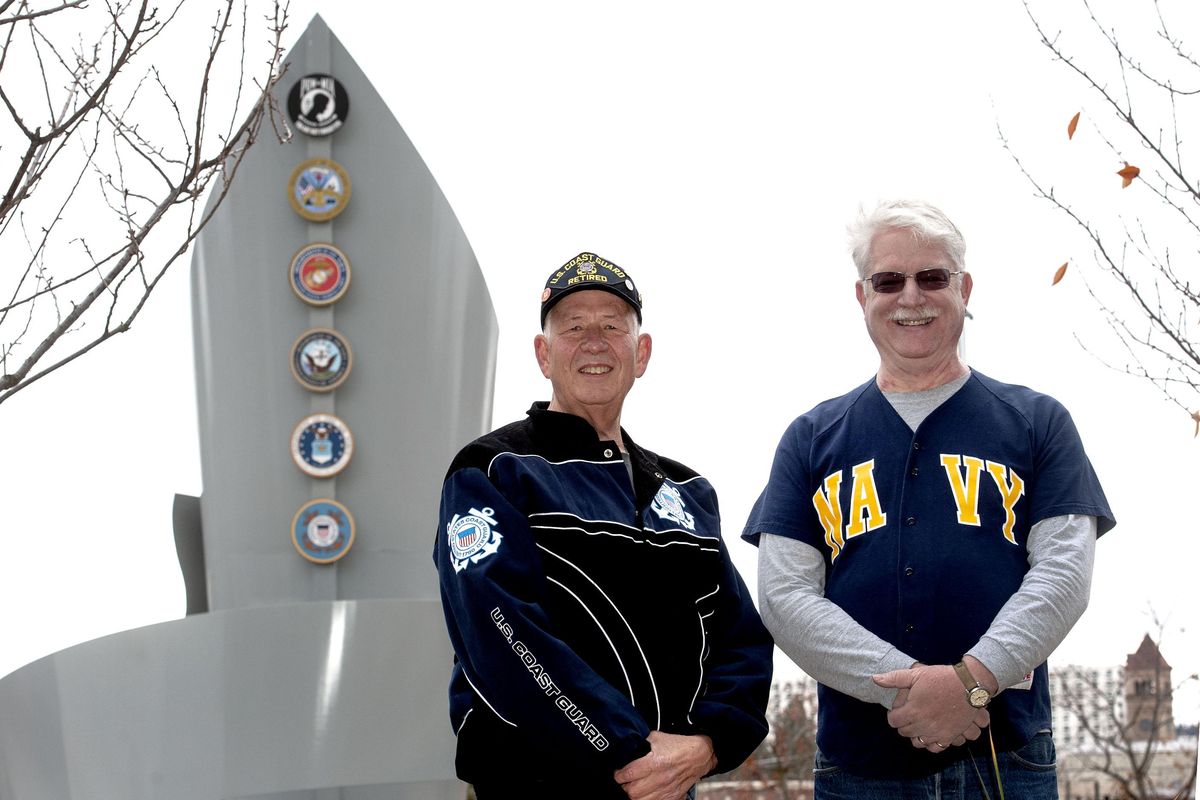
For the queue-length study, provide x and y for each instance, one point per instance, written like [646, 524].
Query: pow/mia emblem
[472, 537]
[318, 104]
[322, 445]
[319, 189]
[322, 531]
[320, 359]
[668, 504]
[319, 273]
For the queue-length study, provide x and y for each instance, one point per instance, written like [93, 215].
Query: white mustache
[910, 314]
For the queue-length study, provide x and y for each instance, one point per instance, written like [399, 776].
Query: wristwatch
[977, 696]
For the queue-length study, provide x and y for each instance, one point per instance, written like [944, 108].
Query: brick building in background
[1114, 728]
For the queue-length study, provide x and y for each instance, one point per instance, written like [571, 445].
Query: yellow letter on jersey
[865, 513]
[965, 488]
[1010, 492]
[829, 510]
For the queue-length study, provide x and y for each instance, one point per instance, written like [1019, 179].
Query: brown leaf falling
[1128, 174]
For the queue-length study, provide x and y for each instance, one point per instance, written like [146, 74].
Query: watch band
[964, 675]
[977, 696]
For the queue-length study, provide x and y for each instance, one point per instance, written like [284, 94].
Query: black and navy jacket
[586, 611]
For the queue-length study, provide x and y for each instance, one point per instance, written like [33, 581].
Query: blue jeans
[1027, 774]
[539, 790]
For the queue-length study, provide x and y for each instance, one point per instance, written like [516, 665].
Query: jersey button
[909, 628]
[910, 521]
[913, 472]
[916, 445]
[608, 453]
[909, 571]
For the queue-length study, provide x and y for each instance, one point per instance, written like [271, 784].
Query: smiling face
[916, 332]
[592, 352]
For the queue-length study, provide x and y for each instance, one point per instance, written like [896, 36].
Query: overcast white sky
[716, 154]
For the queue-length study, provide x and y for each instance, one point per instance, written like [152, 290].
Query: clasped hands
[931, 708]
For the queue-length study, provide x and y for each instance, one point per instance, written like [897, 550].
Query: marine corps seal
[319, 273]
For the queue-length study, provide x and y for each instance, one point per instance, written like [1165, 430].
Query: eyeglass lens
[928, 280]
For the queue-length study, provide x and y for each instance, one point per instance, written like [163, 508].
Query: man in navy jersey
[605, 646]
[925, 542]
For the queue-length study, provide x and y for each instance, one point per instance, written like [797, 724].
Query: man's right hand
[672, 766]
[931, 707]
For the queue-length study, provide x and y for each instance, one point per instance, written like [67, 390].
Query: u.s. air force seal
[322, 445]
[321, 359]
[319, 273]
[323, 530]
[318, 104]
[319, 189]
[472, 537]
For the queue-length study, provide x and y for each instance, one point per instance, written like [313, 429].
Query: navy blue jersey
[586, 610]
[924, 536]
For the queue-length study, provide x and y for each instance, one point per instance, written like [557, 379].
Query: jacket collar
[561, 436]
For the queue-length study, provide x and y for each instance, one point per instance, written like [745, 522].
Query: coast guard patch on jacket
[472, 537]
[668, 504]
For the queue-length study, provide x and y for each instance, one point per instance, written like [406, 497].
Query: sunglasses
[928, 280]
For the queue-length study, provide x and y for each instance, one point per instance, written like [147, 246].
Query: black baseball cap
[589, 271]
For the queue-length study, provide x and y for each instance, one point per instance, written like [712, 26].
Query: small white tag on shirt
[1025, 683]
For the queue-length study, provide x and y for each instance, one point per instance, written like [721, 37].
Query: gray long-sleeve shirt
[834, 649]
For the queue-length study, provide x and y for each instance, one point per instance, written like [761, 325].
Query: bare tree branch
[141, 171]
[35, 14]
[1149, 300]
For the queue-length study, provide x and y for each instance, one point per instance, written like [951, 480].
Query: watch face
[979, 697]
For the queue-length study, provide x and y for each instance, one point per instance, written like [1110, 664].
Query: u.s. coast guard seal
[318, 104]
[472, 537]
[322, 445]
[321, 359]
[319, 273]
[323, 530]
[668, 504]
[319, 189]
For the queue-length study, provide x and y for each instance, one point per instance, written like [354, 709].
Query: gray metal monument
[345, 349]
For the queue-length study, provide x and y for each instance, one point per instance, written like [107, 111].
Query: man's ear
[541, 351]
[644, 346]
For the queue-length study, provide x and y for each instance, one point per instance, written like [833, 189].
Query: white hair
[926, 222]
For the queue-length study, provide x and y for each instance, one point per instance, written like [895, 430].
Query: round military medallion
[322, 445]
[318, 104]
[321, 359]
[319, 273]
[319, 189]
[323, 531]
